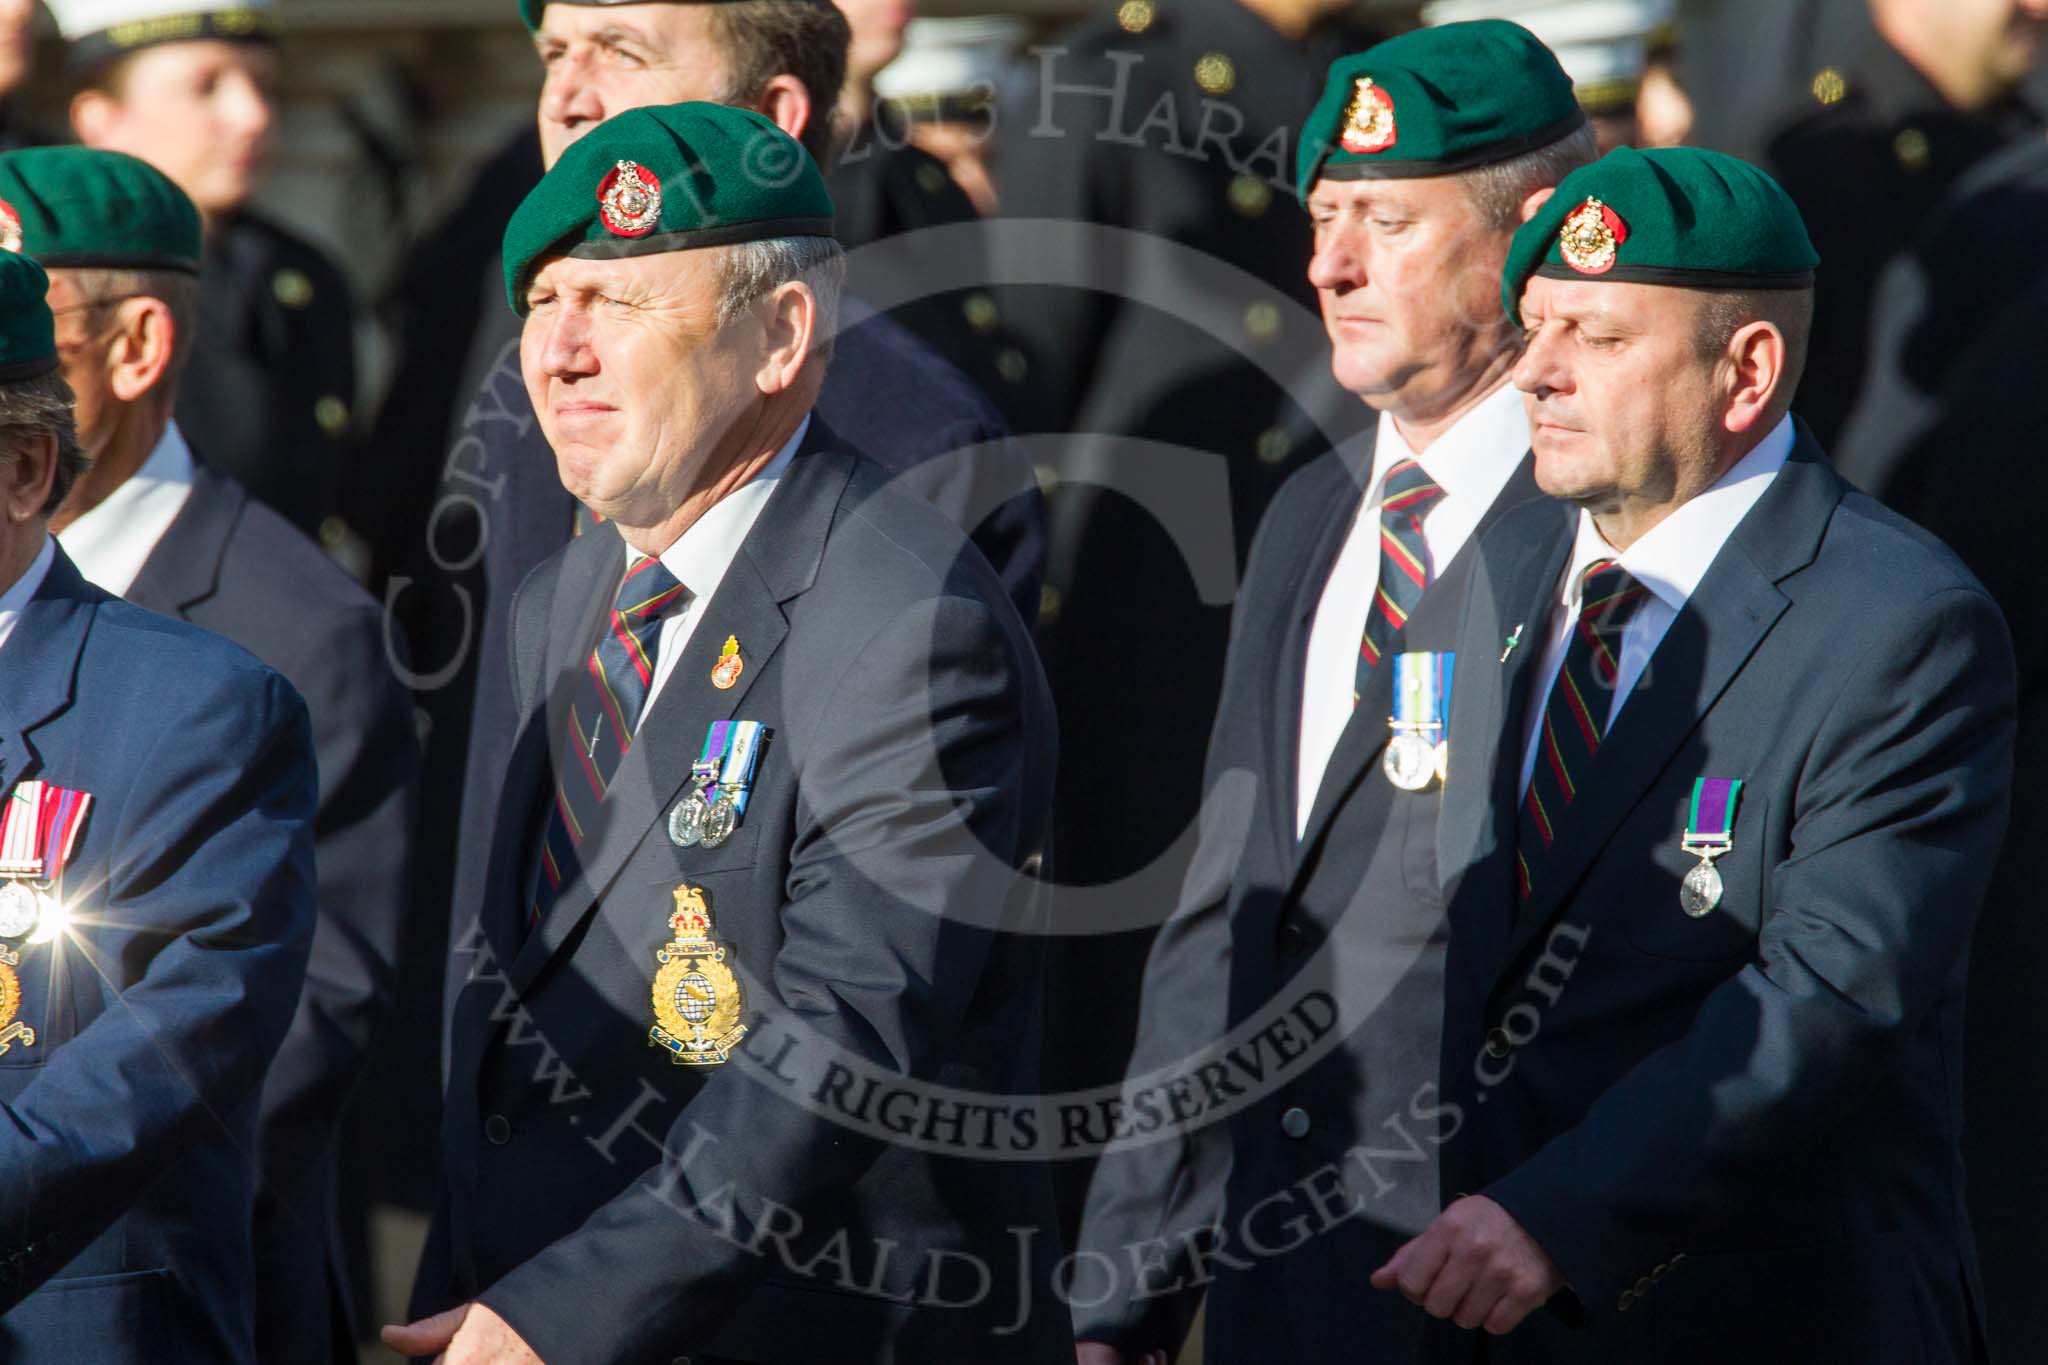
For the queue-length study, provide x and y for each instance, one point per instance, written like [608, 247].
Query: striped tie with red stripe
[1576, 716]
[1404, 563]
[610, 693]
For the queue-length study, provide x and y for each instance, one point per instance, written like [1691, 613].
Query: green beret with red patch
[1680, 216]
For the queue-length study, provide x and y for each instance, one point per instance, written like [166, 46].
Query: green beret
[663, 179]
[73, 207]
[1436, 101]
[28, 334]
[1672, 215]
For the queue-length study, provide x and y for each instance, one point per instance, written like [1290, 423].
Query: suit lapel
[41, 657]
[1723, 622]
[184, 569]
[1290, 657]
[777, 561]
[1514, 582]
[1365, 734]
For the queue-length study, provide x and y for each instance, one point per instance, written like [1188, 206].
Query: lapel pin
[1508, 645]
[730, 665]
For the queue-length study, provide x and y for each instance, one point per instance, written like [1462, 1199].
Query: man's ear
[1535, 200]
[141, 348]
[1756, 359]
[790, 318]
[92, 113]
[27, 475]
[787, 103]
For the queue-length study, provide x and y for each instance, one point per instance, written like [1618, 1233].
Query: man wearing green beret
[156, 903]
[887, 393]
[1730, 762]
[149, 520]
[651, 1148]
[1416, 167]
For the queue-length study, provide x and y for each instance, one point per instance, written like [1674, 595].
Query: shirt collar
[701, 555]
[1675, 554]
[110, 543]
[1472, 461]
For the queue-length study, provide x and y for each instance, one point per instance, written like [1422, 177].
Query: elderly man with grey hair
[156, 907]
[783, 745]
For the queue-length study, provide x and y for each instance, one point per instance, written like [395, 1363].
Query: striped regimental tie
[1576, 716]
[1404, 563]
[610, 693]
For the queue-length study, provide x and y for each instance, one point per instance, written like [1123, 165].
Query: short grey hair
[41, 406]
[177, 290]
[1724, 312]
[1497, 191]
[753, 269]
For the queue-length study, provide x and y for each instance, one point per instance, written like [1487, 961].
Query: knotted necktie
[1404, 563]
[1576, 716]
[610, 693]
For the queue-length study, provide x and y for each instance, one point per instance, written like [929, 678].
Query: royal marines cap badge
[1590, 238]
[1368, 119]
[10, 227]
[629, 200]
[697, 998]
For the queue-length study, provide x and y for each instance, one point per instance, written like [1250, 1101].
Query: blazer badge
[12, 1030]
[697, 998]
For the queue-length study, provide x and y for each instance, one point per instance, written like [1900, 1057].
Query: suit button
[1498, 1044]
[1295, 1122]
[498, 1129]
[1626, 1299]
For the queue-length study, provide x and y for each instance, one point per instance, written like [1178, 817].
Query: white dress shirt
[110, 543]
[1471, 462]
[1670, 560]
[702, 554]
[22, 591]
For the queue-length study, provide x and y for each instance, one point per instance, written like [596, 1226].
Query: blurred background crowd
[356, 175]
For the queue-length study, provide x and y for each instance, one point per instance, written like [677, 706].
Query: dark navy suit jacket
[873, 917]
[1735, 1134]
[126, 1178]
[885, 394]
[1348, 919]
[233, 566]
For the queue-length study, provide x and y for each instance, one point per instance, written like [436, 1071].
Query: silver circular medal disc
[1409, 762]
[720, 823]
[686, 821]
[1700, 892]
[19, 910]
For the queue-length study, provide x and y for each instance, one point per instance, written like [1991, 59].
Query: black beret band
[1684, 278]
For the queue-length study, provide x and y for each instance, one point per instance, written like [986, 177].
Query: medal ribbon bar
[1710, 824]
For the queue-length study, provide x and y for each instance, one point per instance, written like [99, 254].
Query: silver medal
[720, 821]
[1409, 761]
[1700, 892]
[686, 821]
[20, 908]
